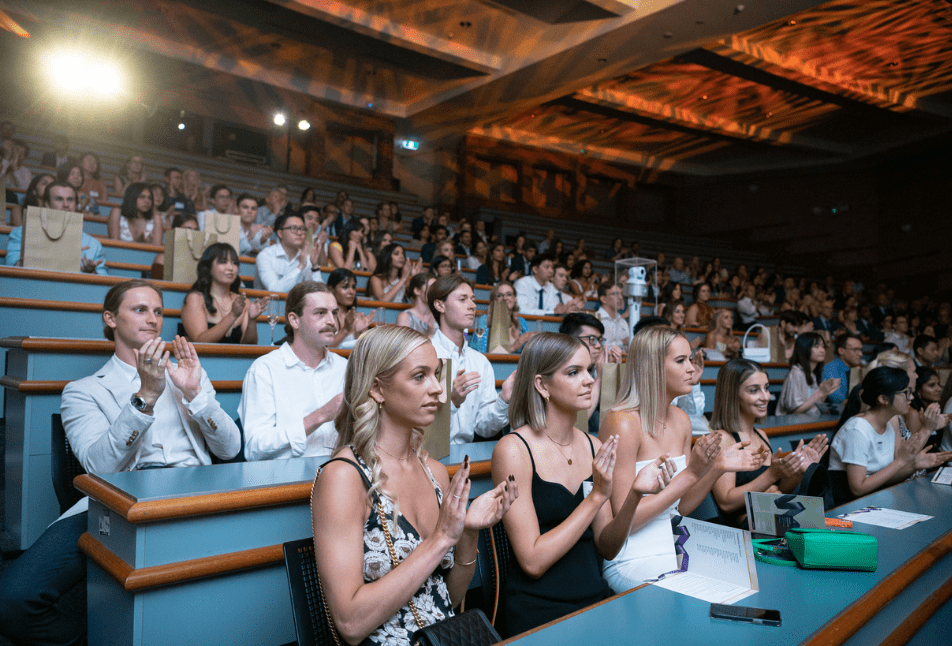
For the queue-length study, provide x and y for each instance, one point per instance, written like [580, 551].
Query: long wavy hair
[385, 263]
[218, 252]
[643, 383]
[376, 356]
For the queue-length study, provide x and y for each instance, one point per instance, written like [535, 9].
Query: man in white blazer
[139, 411]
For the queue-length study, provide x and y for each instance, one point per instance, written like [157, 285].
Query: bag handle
[773, 552]
[218, 226]
[766, 333]
[190, 238]
[45, 224]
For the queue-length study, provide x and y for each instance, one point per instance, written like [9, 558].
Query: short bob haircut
[542, 356]
[730, 378]
[114, 297]
[644, 384]
[295, 302]
[441, 290]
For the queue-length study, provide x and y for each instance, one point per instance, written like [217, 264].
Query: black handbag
[471, 628]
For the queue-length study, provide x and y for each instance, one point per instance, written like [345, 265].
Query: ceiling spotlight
[304, 124]
[280, 119]
[76, 70]
[410, 144]
[181, 125]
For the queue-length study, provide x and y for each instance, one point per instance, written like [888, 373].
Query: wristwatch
[141, 405]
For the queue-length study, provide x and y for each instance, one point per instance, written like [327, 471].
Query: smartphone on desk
[745, 614]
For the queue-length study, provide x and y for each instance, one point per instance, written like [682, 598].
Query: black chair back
[63, 465]
[311, 621]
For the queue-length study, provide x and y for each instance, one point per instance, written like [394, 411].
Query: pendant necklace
[557, 445]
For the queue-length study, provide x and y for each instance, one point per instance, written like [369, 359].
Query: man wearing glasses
[590, 331]
[849, 355]
[280, 267]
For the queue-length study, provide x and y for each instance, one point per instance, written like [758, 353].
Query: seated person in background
[162, 210]
[12, 166]
[290, 397]
[558, 537]
[131, 172]
[747, 306]
[175, 185]
[195, 190]
[518, 329]
[275, 206]
[281, 266]
[721, 337]
[899, 336]
[864, 455]
[393, 385]
[350, 251]
[788, 329]
[139, 411]
[925, 350]
[535, 293]
[479, 256]
[649, 428]
[678, 274]
[590, 331]
[214, 310]
[441, 266]
[464, 241]
[849, 355]
[72, 173]
[476, 409]
[350, 323]
[33, 197]
[419, 317]
[394, 270]
[825, 324]
[426, 219]
[252, 237]
[616, 327]
[927, 403]
[60, 153]
[582, 283]
[693, 403]
[804, 389]
[221, 203]
[740, 400]
[560, 278]
[62, 197]
[495, 268]
[428, 250]
[700, 314]
[134, 221]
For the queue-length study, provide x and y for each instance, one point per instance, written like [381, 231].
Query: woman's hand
[655, 476]
[785, 467]
[910, 447]
[238, 306]
[489, 508]
[737, 458]
[829, 386]
[256, 307]
[814, 450]
[703, 454]
[932, 417]
[452, 519]
[360, 322]
[603, 466]
[926, 460]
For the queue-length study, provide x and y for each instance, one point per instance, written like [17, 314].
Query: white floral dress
[432, 600]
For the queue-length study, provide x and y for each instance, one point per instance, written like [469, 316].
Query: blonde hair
[891, 359]
[643, 383]
[376, 356]
[543, 355]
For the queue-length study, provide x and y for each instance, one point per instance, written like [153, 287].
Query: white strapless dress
[648, 552]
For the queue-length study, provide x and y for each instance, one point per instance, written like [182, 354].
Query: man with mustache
[291, 396]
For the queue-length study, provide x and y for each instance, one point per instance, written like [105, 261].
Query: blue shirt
[93, 251]
[837, 369]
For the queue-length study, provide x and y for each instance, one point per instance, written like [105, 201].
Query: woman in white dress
[659, 369]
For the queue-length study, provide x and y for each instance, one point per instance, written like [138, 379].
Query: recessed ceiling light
[668, 34]
[792, 22]
[465, 24]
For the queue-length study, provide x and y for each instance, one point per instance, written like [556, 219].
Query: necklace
[404, 459]
[557, 446]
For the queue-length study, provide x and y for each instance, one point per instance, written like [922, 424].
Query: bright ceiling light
[80, 70]
[280, 119]
[304, 124]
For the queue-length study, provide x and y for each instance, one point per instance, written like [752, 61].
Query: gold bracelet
[471, 562]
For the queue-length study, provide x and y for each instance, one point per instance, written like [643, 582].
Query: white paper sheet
[943, 476]
[891, 518]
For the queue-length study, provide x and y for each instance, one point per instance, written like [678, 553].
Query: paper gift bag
[499, 330]
[52, 239]
[436, 436]
[581, 421]
[611, 374]
[183, 250]
[226, 227]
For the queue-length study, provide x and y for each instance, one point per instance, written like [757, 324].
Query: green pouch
[821, 549]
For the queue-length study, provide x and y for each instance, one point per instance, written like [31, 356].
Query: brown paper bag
[436, 436]
[52, 239]
[226, 227]
[581, 421]
[611, 381]
[183, 250]
[499, 330]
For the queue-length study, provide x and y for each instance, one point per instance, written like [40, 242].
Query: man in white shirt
[291, 396]
[616, 327]
[137, 412]
[281, 266]
[560, 278]
[274, 207]
[536, 294]
[476, 409]
[221, 203]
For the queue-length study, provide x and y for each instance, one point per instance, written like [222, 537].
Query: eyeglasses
[909, 393]
[591, 340]
[295, 229]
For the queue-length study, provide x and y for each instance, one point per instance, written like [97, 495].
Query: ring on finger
[148, 361]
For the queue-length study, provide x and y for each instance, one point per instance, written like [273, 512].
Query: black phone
[746, 614]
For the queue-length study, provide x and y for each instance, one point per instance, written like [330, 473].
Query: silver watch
[141, 405]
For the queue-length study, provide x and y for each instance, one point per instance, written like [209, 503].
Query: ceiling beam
[706, 124]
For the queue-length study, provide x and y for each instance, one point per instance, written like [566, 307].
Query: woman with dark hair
[803, 392]
[350, 323]
[740, 401]
[582, 281]
[308, 196]
[419, 317]
[561, 525]
[71, 173]
[214, 310]
[33, 197]
[134, 221]
[132, 172]
[441, 266]
[394, 541]
[495, 269]
[349, 251]
[389, 280]
[864, 455]
[163, 209]
[517, 257]
[700, 314]
[93, 186]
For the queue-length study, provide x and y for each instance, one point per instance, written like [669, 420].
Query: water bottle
[93, 206]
